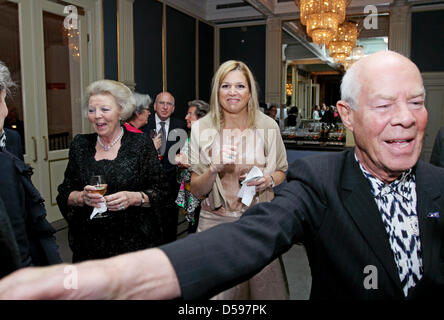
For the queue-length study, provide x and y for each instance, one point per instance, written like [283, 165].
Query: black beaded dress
[136, 168]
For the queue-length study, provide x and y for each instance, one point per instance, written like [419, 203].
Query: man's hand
[89, 280]
[157, 141]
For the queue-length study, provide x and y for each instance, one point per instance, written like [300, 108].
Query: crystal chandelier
[322, 18]
[71, 40]
[289, 89]
[340, 47]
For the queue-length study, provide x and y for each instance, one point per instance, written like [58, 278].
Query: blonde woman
[225, 145]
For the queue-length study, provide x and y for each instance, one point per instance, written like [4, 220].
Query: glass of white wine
[100, 184]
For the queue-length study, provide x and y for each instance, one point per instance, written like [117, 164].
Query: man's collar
[379, 188]
[158, 120]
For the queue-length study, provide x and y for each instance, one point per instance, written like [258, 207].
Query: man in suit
[167, 126]
[369, 217]
[437, 157]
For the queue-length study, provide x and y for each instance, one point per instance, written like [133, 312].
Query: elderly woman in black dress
[128, 161]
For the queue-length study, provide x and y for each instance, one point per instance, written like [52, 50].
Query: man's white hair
[350, 87]
[351, 81]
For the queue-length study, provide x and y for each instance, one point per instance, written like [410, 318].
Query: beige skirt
[269, 284]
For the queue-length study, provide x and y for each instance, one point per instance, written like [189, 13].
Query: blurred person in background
[190, 204]
[139, 118]
[163, 123]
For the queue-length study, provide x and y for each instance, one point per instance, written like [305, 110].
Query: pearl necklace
[108, 147]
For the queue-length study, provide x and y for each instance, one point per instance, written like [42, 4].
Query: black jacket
[327, 206]
[25, 208]
[437, 157]
[9, 252]
[176, 125]
[13, 143]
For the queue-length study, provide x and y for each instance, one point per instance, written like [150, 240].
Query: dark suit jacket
[14, 143]
[437, 157]
[328, 207]
[174, 124]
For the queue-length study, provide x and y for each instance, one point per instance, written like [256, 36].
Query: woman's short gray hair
[143, 102]
[5, 78]
[202, 108]
[121, 93]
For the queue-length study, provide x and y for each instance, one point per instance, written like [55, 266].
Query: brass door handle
[46, 148]
[35, 149]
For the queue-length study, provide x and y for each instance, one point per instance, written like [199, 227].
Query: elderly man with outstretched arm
[368, 217]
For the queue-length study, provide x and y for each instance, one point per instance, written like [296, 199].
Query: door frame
[33, 84]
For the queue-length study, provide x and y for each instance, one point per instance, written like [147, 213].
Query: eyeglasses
[162, 103]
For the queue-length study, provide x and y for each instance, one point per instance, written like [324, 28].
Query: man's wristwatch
[272, 181]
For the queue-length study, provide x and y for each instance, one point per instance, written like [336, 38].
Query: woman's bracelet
[76, 203]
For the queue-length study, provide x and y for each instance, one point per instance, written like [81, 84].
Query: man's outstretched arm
[146, 274]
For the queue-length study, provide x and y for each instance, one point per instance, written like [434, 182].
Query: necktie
[163, 138]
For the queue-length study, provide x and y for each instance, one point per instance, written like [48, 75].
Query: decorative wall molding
[399, 39]
[273, 58]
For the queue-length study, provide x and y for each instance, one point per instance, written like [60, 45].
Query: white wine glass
[99, 182]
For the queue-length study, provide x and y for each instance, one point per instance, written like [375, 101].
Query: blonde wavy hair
[216, 111]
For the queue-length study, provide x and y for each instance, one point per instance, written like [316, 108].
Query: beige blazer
[202, 137]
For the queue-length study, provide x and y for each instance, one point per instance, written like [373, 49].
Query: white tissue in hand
[247, 192]
[102, 209]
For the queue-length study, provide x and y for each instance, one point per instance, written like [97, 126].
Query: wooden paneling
[206, 63]
[181, 60]
[248, 45]
[148, 46]
[427, 43]
[434, 86]
[110, 39]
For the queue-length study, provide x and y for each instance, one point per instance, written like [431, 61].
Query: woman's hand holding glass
[94, 196]
[94, 192]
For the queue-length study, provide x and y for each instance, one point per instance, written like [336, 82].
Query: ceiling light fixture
[322, 18]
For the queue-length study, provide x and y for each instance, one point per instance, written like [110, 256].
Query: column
[273, 61]
[399, 39]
